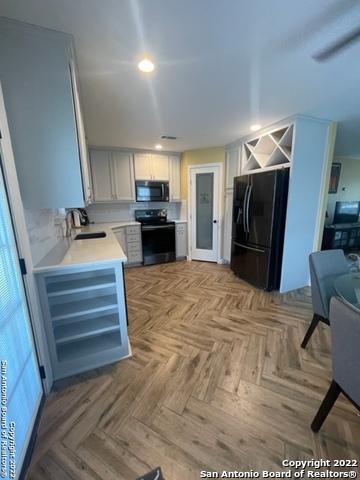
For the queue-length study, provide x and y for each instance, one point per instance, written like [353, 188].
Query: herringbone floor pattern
[217, 381]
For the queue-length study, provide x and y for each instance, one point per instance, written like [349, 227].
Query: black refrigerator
[259, 213]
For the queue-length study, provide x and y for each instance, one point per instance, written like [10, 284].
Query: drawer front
[134, 257]
[133, 238]
[135, 230]
[134, 247]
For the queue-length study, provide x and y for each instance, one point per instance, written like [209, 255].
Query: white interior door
[20, 380]
[204, 212]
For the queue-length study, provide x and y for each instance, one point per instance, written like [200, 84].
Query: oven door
[147, 191]
[158, 243]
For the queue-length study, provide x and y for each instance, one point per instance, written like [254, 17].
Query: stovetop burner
[154, 216]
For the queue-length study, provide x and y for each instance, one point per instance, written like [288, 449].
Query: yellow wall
[197, 157]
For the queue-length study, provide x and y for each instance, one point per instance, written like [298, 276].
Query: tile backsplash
[44, 230]
[109, 212]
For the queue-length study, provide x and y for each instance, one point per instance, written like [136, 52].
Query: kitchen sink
[86, 236]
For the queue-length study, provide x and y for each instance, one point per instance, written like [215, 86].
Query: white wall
[349, 185]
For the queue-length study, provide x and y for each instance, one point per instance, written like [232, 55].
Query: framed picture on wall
[334, 177]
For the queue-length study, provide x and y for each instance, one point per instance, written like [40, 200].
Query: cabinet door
[123, 173]
[143, 166]
[181, 240]
[175, 175]
[232, 166]
[36, 83]
[81, 136]
[120, 234]
[160, 167]
[101, 173]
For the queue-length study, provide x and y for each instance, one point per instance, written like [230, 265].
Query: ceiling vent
[168, 137]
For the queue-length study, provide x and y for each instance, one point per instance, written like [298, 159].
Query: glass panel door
[21, 388]
[204, 210]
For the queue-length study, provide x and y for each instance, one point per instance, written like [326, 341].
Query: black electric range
[157, 235]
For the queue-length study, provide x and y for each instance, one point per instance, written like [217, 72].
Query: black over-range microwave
[151, 191]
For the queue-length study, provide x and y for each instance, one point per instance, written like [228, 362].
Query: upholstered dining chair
[325, 266]
[345, 337]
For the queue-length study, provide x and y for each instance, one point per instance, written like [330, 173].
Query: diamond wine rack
[269, 151]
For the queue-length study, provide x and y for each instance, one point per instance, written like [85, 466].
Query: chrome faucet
[68, 221]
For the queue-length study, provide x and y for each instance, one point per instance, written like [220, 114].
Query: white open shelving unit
[85, 318]
[269, 151]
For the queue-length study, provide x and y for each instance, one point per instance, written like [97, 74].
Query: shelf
[269, 151]
[80, 285]
[87, 347]
[252, 163]
[72, 332]
[253, 143]
[263, 150]
[262, 158]
[287, 139]
[278, 134]
[247, 152]
[81, 307]
[277, 158]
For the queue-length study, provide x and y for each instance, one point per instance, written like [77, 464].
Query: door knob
[214, 221]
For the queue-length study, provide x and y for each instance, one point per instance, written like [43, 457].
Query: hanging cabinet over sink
[40, 88]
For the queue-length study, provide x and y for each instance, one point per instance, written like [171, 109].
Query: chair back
[345, 337]
[325, 266]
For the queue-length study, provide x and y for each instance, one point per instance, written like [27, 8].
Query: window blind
[21, 388]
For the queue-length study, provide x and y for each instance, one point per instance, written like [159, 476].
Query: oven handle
[158, 227]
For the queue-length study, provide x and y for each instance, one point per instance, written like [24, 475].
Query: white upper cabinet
[160, 167]
[150, 166]
[175, 176]
[83, 151]
[112, 173]
[143, 170]
[44, 116]
[123, 175]
[101, 172]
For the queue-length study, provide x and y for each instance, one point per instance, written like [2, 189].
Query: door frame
[23, 244]
[220, 206]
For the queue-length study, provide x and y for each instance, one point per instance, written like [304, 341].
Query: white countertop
[70, 253]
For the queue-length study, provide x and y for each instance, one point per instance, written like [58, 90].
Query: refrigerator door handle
[238, 216]
[244, 208]
[247, 209]
[249, 248]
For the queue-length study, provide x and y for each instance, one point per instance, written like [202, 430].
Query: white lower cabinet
[181, 240]
[85, 317]
[129, 238]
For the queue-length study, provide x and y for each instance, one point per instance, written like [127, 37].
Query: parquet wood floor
[217, 381]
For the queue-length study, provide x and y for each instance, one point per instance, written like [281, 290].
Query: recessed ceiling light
[146, 65]
[255, 127]
[158, 146]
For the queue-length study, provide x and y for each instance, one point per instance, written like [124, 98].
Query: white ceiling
[221, 66]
